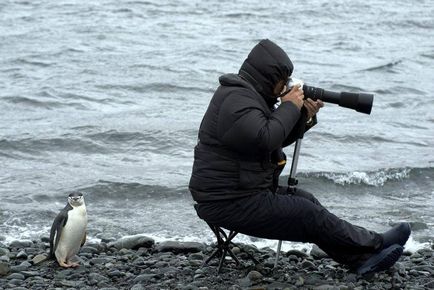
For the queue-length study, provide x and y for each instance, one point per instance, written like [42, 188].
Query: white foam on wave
[413, 246]
[375, 178]
[25, 234]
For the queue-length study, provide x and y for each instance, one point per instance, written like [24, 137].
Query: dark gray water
[107, 96]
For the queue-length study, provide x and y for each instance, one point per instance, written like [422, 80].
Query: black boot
[381, 261]
[397, 235]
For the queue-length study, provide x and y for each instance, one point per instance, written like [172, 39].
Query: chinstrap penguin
[68, 232]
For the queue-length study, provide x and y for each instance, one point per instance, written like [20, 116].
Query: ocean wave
[111, 190]
[35, 147]
[384, 67]
[38, 104]
[114, 136]
[23, 61]
[428, 55]
[371, 178]
[155, 87]
[89, 140]
[420, 23]
[158, 141]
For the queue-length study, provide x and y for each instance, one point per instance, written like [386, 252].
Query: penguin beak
[76, 200]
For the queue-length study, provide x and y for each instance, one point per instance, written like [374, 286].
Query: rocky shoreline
[137, 262]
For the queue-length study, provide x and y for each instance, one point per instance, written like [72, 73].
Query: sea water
[106, 97]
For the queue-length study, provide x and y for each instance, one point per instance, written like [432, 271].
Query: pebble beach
[138, 262]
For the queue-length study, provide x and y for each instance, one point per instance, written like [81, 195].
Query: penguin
[68, 232]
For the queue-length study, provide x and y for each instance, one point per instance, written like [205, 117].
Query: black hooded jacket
[241, 135]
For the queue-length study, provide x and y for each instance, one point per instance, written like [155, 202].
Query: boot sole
[381, 261]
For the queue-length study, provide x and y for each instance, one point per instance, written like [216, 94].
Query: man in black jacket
[239, 157]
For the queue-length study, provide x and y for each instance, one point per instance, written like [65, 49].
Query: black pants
[297, 217]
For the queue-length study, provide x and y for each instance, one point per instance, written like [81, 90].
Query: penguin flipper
[84, 239]
[56, 229]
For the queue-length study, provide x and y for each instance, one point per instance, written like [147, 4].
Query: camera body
[293, 81]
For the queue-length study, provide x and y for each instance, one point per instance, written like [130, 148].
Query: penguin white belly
[72, 234]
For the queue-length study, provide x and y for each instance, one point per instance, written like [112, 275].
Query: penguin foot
[63, 264]
[74, 265]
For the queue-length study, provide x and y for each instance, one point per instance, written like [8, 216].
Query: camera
[361, 102]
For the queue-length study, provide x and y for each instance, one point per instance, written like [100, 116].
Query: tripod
[292, 181]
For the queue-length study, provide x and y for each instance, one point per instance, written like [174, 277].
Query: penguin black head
[76, 199]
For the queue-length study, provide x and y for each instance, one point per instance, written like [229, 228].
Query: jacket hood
[265, 66]
[233, 80]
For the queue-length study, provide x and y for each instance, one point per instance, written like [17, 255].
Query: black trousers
[297, 217]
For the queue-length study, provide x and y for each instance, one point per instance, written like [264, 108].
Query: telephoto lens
[361, 102]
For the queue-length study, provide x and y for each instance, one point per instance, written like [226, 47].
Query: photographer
[239, 157]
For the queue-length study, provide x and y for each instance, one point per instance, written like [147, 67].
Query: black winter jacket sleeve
[246, 123]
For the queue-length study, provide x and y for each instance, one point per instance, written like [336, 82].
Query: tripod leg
[279, 245]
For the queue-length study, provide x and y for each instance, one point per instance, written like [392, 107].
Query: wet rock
[254, 276]
[21, 255]
[179, 247]
[317, 253]
[429, 285]
[21, 267]
[327, 287]
[308, 265]
[89, 250]
[133, 242]
[4, 269]
[155, 268]
[21, 244]
[17, 276]
[299, 282]
[4, 252]
[144, 278]
[296, 253]
[38, 259]
[196, 257]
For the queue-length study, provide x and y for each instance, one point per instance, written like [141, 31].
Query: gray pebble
[4, 252]
[147, 268]
[89, 250]
[308, 265]
[18, 276]
[21, 255]
[144, 278]
[20, 244]
[4, 268]
[38, 259]
[254, 276]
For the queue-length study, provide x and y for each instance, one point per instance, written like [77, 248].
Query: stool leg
[234, 257]
[222, 258]
[232, 235]
[217, 252]
[224, 241]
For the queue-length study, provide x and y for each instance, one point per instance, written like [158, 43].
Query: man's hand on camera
[312, 107]
[295, 95]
